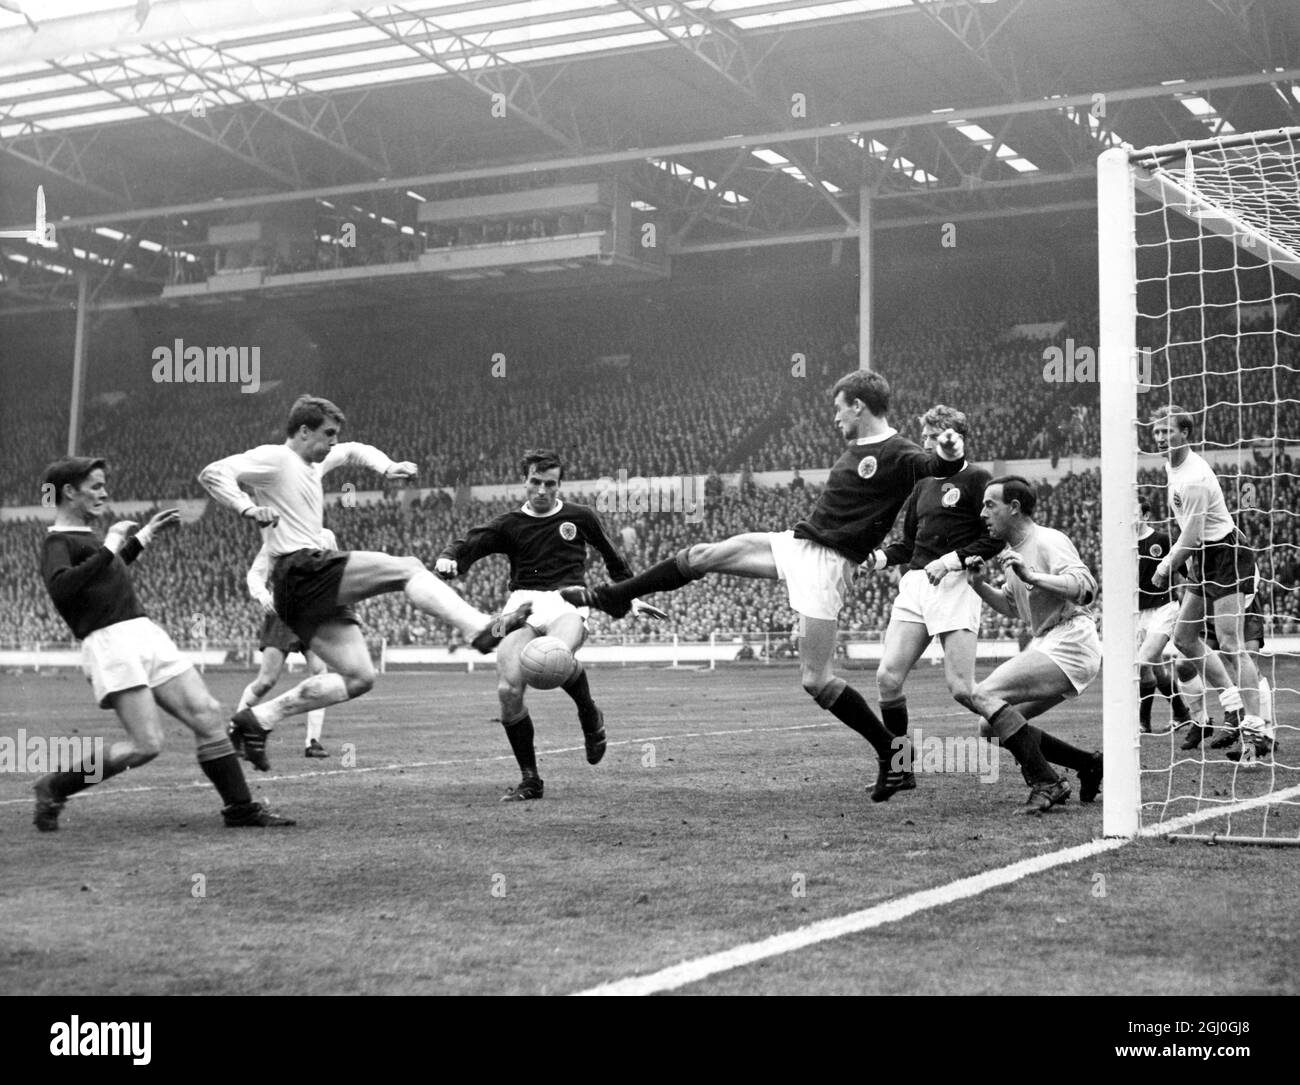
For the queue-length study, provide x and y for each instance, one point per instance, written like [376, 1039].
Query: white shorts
[1157, 622]
[816, 577]
[942, 608]
[129, 654]
[1074, 647]
[547, 606]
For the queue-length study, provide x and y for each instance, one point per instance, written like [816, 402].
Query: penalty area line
[891, 911]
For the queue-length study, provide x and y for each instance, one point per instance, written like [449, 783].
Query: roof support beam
[607, 158]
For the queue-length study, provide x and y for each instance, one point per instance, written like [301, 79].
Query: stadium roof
[741, 122]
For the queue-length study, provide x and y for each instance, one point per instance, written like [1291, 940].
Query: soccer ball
[546, 662]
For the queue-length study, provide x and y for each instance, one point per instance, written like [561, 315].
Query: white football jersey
[1195, 491]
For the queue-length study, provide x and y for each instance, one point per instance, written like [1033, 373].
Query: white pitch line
[109, 792]
[688, 972]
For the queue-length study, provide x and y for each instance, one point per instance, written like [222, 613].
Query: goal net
[1199, 269]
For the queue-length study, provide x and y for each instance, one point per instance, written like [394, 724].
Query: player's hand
[405, 469]
[1161, 575]
[977, 570]
[161, 521]
[876, 563]
[1011, 560]
[642, 609]
[951, 444]
[118, 534]
[445, 568]
[263, 515]
[268, 607]
[936, 571]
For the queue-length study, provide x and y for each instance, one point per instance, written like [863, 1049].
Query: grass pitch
[729, 808]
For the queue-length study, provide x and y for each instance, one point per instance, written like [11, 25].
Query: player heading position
[313, 589]
[276, 641]
[942, 529]
[817, 559]
[546, 541]
[132, 664]
[1221, 574]
[1049, 588]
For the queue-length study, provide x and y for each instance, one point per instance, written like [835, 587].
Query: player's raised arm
[257, 467]
[356, 454]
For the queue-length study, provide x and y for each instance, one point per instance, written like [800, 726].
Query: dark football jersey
[864, 491]
[88, 583]
[942, 516]
[1150, 552]
[545, 552]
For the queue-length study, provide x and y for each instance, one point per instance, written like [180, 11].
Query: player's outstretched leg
[616, 599]
[749, 555]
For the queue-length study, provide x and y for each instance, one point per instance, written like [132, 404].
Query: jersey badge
[867, 466]
[1157, 550]
[951, 496]
[568, 532]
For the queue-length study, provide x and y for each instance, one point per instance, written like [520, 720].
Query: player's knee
[1186, 670]
[961, 690]
[360, 683]
[889, 681]
[510, 691]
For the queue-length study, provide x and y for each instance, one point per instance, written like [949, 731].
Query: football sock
[82, 776]
[848, 706]
[577, 688]
[1265, 699]
[1059, 752]
[318, 691]
[520, 734]
[1230, 700]
[669, 575]
[315, 723]
[1022, 740]
[220, 765]
[894, 716]
[433, 596]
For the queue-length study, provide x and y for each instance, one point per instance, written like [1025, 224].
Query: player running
[941, 530]
[276, 641]
[817, 559]
[1221, 574]
[1050, 592]
[546, 541]
[133, 666]
[313, 589]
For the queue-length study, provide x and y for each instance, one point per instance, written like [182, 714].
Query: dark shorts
[1252, 630]
[305, 587]
[1223, 568]
[275, 634]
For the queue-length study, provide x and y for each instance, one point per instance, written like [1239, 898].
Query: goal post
[1198, 243]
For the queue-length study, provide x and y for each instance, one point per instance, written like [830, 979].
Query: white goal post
[1242, 188]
